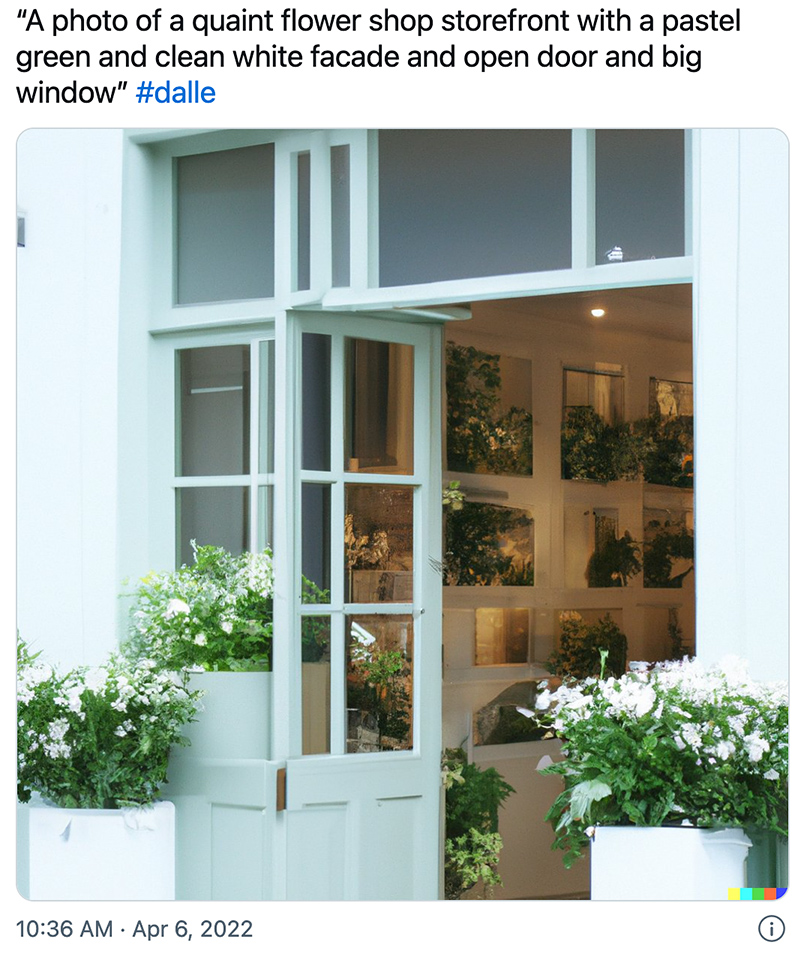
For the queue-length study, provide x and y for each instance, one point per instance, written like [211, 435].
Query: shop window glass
[639, 194]
[465, 203]
[225, 225]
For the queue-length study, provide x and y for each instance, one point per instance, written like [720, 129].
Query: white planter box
[88, 854]
[235, 721]
[666, 864]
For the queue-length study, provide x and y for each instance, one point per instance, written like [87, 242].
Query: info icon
[771, 928]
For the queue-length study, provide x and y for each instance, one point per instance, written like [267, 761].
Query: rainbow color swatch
[755, 894]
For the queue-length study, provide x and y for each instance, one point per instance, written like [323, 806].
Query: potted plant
[93, 745]
[665, 767]
[473, 842]
[213, 621]
[588, 649]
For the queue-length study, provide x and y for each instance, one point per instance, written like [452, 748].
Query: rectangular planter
[235, 722]
[666, 864]
[85, 854]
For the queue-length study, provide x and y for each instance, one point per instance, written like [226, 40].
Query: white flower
[201, 639]
[119, 704]
[543, 699]
[96, 679]
[771, 775]
[173, 607]
[756, 746]
[724, 749]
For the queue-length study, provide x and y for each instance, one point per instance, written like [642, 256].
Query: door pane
[213, 412]
[315, 402]
[216, 516]
[225, 225]
[378, 544]
[315, 543]
[378, 434]
[315, 685]
[379, 683]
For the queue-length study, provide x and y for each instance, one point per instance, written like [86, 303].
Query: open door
[358, 665]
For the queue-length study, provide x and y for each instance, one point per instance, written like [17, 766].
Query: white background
[746, 79]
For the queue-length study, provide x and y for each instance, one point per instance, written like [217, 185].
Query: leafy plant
[479, 437]
[592, 449]
[473, 799]
[614, 561]
[379, 683]
[474, 555]
[669, 459]
[97, 737]
[579, 653]
[670, 543]
[213, 615]
[679, 744]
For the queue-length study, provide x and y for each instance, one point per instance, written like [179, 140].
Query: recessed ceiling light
[597, 312]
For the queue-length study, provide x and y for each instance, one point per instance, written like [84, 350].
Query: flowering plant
[213, 615]
[679, 744]
[96, 737]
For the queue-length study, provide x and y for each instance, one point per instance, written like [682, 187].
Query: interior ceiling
[658, 311]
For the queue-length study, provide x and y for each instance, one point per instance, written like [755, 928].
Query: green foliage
[379, 682]
[479, 437]
[595, 450]
[315, 629]
[681, 743]
[470, 859]
[670, 457]
[97, 737]
[614, 561]
[660, 448]
[473, 799]
[474, 537]
[579, 654]
[670, 543]
[213, 615]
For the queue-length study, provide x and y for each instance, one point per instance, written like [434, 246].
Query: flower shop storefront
[372, 478]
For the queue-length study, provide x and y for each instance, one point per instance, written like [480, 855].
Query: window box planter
[123, 854]
[632, 863]
[235, 721]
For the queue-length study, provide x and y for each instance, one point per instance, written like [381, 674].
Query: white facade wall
[69, 190]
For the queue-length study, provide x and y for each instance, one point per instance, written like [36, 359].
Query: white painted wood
[666, 864]
[91, 854]
[741, 347]
[370, 822]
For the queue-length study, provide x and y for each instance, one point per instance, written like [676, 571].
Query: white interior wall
[69, 190]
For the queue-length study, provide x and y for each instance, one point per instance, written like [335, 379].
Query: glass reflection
[378, 544]
[213, 413]
[378, 436]
[379, 683]
[315, 685]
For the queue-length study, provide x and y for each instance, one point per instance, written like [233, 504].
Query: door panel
[363, 820]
